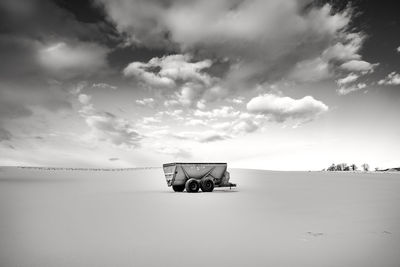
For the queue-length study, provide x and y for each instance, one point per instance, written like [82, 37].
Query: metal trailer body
[178, 174]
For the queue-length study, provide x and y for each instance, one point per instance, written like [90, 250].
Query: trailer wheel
[207, 185]
[178, 188]
[192, 186]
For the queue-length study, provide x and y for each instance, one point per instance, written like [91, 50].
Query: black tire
[192, 186]
[207, 185]
[178, 188]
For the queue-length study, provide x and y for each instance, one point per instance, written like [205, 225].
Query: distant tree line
[345, 167]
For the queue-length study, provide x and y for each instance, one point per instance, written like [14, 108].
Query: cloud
[223, 112]
[70, 60]
[141, 71]
[195, 122]
[25, 105]
[345, 49]
[348, 79]
[84, 99]
[246, 125]
[145, 102]
[169, 70]
[311, 70]
[343, 53]
[238, 100]
[30, 28]
[176, 114]
[358, 65]
[243, 34]
[178, 72]
[113, 159]
[280, 108]
[344, 89]
[149, 120]
[11, 107]
[104, 86]
[213, 138]
[5, 135]
[347, 85]
[201, 136]
[44, 19]
[393, 78]
[173, 151]
[180, 67]
[398, 49]
[106, 126]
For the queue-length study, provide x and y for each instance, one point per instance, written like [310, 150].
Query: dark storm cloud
[33, 31]
[250, 42]
[83, 10]
[43, 19]
[42, 42]
[17, 57]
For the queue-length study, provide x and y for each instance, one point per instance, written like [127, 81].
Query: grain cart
[193, 176]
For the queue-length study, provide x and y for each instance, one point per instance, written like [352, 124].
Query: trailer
[195, 176]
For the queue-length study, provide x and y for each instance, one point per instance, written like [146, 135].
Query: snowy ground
[131, 218]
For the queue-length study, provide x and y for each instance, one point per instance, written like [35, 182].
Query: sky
[265, 84]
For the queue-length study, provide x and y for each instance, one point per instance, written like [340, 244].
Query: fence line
[86, 169]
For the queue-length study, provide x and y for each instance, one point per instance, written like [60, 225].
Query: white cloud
[146, 102]
[173, 150]
[107, 127]
[180, 67]
[171, 103]
[84, 99]
[169, 70]
[398, 49]
[358, 65]
[223, 112]
[280, 109]
[104, 86]
[190, 93]
[310, 70]
[346, 49]
[344, 90]
[201, 104]
[195, 122]
[393, 78]
[176, 114]
[238, 100]
[78, 88]
[149, 120]
[70, 60]
[245, 126]
[141, 72]
[348, 79]
[177, 72]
